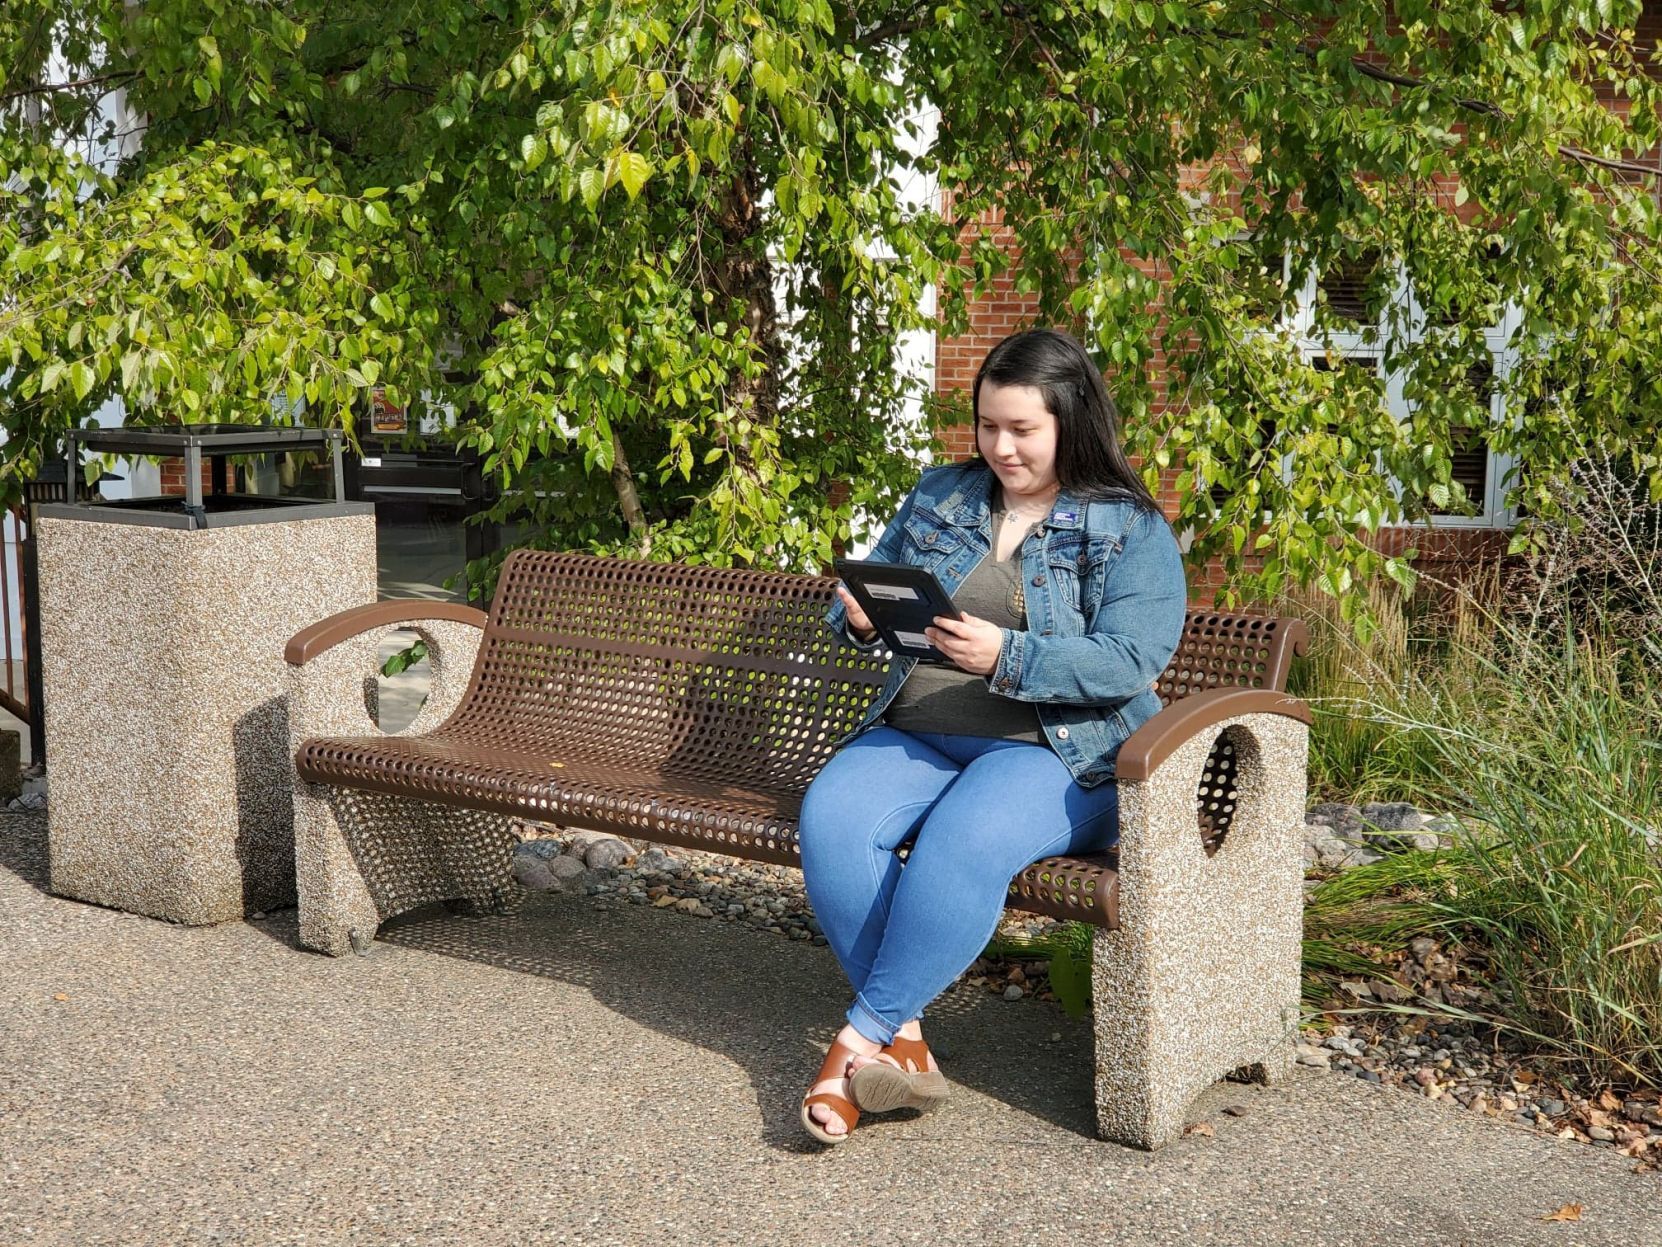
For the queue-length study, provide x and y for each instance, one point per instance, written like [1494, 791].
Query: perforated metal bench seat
[562, 786]
[699, 810]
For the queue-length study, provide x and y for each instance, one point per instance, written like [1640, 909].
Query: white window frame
[1367, 341]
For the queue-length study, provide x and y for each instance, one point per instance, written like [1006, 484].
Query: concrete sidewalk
[590, 1073]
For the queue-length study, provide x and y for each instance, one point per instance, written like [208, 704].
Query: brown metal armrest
[325, 634]
[1161, 736]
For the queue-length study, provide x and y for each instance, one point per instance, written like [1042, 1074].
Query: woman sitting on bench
[1073, 598]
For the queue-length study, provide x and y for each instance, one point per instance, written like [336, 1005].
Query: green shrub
[1558, 760]
[1540, 726]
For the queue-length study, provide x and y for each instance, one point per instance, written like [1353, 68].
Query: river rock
[607, 853]
[566, 868]
[655, 858]
[1309, 1054]
[532, 873]
[1343, 819]
[1323, 848]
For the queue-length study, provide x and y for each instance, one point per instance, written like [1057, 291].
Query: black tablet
[901, 601]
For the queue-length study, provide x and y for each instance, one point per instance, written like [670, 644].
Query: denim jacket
[1106, 599]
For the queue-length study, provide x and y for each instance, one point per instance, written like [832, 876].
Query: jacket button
[1038, 582]
[929, 539]
[1061, 733]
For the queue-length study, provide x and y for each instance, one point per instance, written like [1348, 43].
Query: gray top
[941, 698]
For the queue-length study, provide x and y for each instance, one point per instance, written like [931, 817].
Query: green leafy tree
[657, 259]
[656, 256]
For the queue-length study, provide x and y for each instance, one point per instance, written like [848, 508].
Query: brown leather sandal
[835, 1067]
[881, 1088]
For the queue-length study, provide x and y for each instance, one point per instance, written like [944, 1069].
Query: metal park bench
[692, 706]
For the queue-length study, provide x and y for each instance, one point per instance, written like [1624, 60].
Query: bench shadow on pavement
[23, 847]
[768, 1005]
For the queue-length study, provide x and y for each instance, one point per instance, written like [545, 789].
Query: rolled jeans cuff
[873, 1025]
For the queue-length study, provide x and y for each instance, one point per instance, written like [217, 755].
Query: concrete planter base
[164, 681]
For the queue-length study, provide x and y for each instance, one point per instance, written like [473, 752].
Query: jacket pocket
[1075, 565]
[926, 542]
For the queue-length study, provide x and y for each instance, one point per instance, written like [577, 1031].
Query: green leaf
[592, 182]
[633, 171]
[1400, 571]
[82, 378]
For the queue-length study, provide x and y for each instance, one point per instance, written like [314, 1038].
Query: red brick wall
[173, 477]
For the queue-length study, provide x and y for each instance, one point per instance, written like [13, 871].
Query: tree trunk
[743, 273]
[623, 481]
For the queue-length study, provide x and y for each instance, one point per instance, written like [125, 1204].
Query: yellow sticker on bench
[561, 765]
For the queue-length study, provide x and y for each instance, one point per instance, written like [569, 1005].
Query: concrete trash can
[163, 622]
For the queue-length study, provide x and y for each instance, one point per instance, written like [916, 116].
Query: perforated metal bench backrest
[1230, 651]
[724, 676]
[712, 674]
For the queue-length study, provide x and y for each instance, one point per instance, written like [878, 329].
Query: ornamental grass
[1535, 718]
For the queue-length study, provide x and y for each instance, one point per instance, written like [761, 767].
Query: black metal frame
[191, 441]
[473, 489]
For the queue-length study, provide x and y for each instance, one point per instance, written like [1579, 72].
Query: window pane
[1353, 288]
[1470, 446]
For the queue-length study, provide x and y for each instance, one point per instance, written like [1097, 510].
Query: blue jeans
[981, 810]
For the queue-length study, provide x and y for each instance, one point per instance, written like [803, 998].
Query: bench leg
[362, 858]
[1201, 981]
[337, 913]
[1164, 1035]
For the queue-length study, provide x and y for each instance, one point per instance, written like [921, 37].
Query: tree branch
[623, 482]
[48, 88]
[893, 28]
[1369, 70]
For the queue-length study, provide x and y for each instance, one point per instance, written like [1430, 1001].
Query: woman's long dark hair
[1089, 458]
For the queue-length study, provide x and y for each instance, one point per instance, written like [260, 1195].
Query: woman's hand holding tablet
[902, 602]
